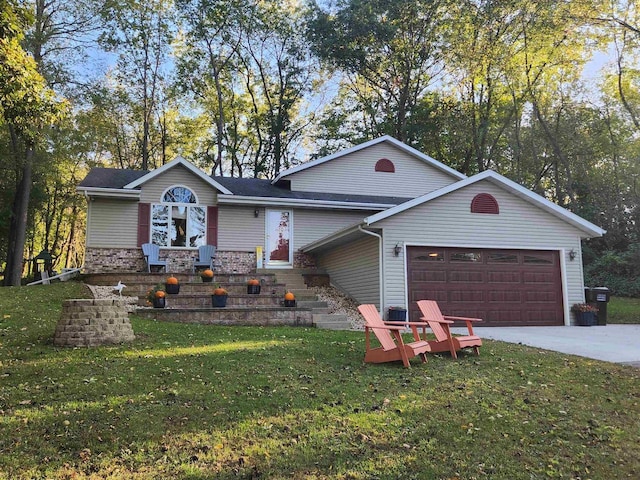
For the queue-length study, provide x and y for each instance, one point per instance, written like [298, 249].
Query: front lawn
[623, 310]
[194, 402]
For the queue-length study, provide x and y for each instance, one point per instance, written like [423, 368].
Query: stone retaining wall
[85, 323]
[111, 260]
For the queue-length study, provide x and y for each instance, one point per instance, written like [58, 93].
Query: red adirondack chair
[439, 325]
[391, 348]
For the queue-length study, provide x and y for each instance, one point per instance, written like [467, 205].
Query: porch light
[256, 213]
[572, 254]
[397, 249]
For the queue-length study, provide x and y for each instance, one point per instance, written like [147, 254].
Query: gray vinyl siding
[312, 225]
[238, 228]
[354, 173]
[112, 223]
[178, 176]
[354, 269]
[448, 221]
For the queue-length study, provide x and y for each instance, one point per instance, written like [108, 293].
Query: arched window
[385, 165]
[178, 221]
[484, 203]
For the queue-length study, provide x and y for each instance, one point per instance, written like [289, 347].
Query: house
[388, 223]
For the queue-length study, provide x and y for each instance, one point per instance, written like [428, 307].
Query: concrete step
[202, 301]
[200, 288]
[304, 294]
[313, 304]
[127, 278]
[259, 316]
[331, 321]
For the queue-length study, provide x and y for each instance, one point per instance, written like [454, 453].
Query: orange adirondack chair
[439, 325]
[390, 349]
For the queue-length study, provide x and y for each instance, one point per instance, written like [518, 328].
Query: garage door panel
[429, 276]
[538, 277]
[466, 296]
[504, 277]
[504, 287]
[438, 295]
[457, 276]
[505, 315]
[505, 296]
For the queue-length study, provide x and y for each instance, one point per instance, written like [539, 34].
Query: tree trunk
[18, 230]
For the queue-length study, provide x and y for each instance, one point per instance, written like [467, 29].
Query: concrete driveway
[611, 343]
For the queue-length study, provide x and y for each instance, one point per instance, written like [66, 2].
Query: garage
[503, 287]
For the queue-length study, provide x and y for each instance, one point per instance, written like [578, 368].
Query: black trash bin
[397, 314]
[600, 296]
[587, 295]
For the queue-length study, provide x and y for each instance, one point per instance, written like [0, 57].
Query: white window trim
[176, 204]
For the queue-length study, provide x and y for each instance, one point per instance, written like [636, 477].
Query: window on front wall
[178, 221]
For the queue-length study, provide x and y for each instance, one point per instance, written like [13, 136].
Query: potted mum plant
[207, 275]
[156, 297]
[289, 299]
[219, 297]
[253, 286]
[585, 314]
[171, 285]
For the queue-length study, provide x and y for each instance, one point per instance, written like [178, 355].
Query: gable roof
[110, 182]
[384, 139]
[117, 183]
[587, 227]
[110, 177]
[256, 190]
[172, 164]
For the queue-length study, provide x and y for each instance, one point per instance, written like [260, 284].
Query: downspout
[381, 269]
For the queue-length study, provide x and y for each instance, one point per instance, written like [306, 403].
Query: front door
[279, 238]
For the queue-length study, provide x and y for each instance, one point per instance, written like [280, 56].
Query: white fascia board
[589, 228]
[109, 192]
[298, 202]
[188, 165]
[332, 237]
[386, 138]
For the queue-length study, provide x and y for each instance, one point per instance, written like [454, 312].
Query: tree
[140, 33]
[27, 106]
[389, 51]
[278, 70]
[212, 35]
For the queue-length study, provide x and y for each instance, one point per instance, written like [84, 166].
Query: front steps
[193, 303]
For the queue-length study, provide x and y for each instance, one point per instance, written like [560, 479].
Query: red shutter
[144, 221]
[212, 226]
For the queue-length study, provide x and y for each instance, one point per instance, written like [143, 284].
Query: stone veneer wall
[113, 260]
[85, 323]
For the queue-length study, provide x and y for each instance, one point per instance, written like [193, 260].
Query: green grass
[623, 310]
[194, 402]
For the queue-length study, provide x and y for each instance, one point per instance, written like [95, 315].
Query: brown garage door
[503, 287]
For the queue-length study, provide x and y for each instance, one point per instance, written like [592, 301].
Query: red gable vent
[385, 165]
[484, 203]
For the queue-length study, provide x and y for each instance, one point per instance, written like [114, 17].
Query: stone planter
[172, 288]
[253, 289]
[585, 319]
[289, 303]
[218, 301]
[159, 302]
[207, 279]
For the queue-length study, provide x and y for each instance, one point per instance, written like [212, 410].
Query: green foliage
[619, 271]
[197, 401]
